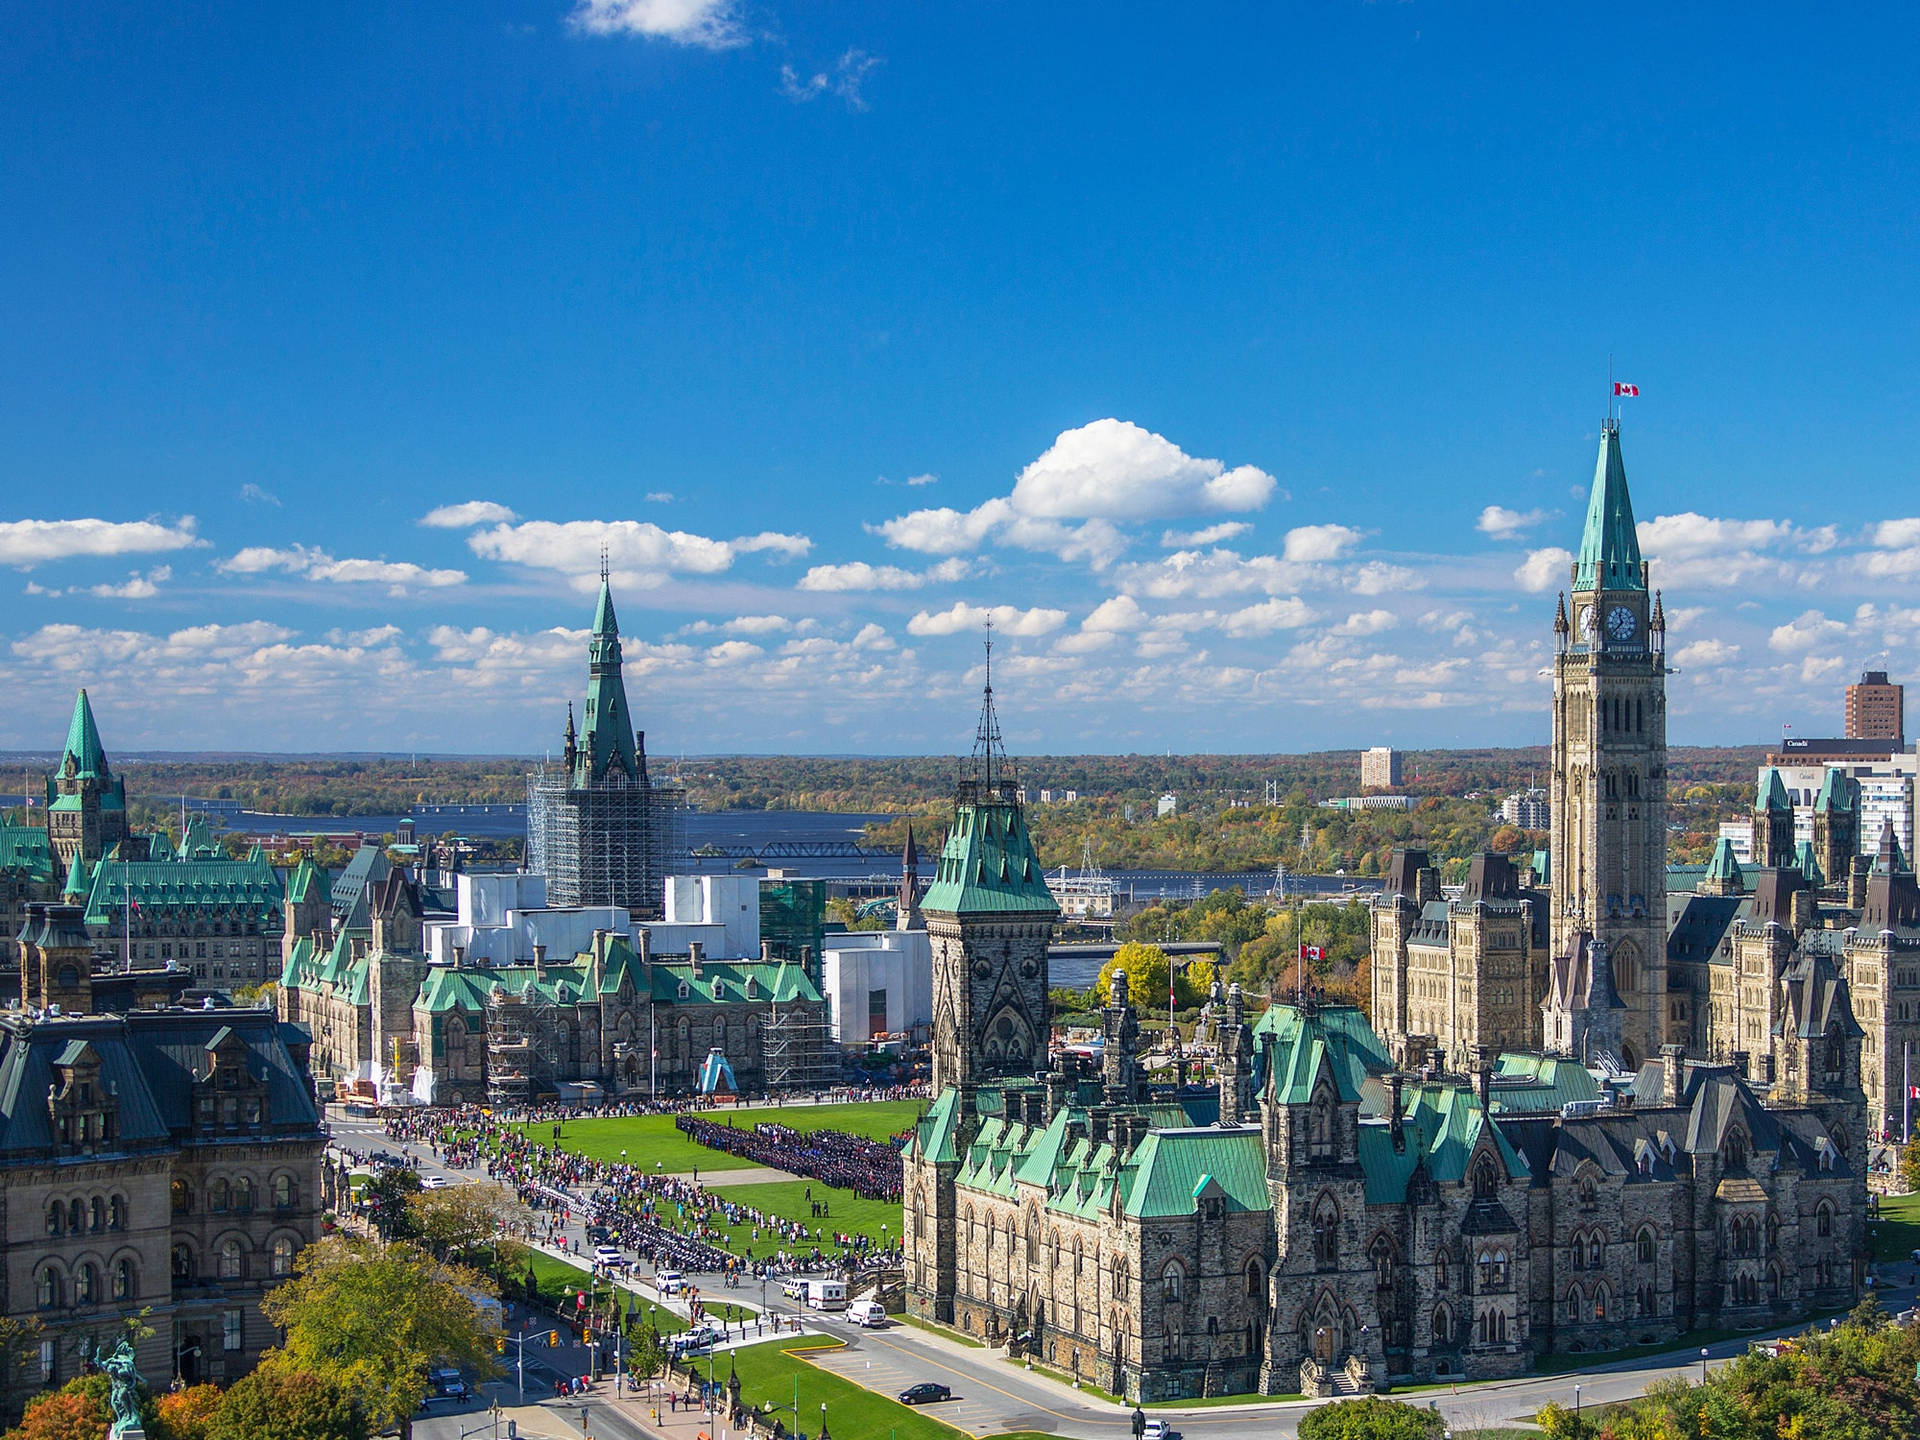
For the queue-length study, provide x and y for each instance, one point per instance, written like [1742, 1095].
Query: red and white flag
[1313, 952]
[1620, 387]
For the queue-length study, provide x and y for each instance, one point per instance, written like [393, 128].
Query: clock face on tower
[1588, 621]
[1620, 623]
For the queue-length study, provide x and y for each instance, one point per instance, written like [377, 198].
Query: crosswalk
[889, 1370]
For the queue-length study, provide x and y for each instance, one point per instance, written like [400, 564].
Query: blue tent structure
[716, 1075]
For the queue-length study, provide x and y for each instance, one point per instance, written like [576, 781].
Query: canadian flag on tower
[1620, 387]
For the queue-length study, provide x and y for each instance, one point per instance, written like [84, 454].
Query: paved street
[992, 1395]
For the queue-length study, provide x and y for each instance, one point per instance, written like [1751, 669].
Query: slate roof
[148, 1059]
[351, 886]
[1697, 924]
[1816, 998]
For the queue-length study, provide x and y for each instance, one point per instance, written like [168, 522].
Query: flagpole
[1906, 1092]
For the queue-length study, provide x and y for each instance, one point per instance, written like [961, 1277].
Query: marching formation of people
[869, 1168]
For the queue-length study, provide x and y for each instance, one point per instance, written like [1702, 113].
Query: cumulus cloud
[1268, 616]
[1199, 539]
[135, 586]
[256, 495]
[27, 543]
[712, 24]
[859, 575]
[1376, 577]
[1702, 653]
[1505, 524]
[313, 564]
[1807, 631]
[1544, 569]
[1693, 550]
[1103, 472]
[467, 514]
[643, 554]
[1007, 619]
[1318, 542]
[1122, 612]
[1366, 622]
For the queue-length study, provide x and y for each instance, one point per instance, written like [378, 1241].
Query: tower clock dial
[1589, 621]
[1620, 623]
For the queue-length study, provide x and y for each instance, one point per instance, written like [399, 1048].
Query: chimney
[643, 941]
[1394, 1113]
[1857, 881]
[766, 952]
[1483, 1058]
[696, 955]
[539, 954]
[459, 956]
[1097, 1124]
[1741, 1058]
[1801, 911]
[1673, 1067]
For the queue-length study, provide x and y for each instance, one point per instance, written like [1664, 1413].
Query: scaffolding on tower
[612, 842]
[519, 1046]
[800, 1050]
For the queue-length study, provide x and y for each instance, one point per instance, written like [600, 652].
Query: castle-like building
[1442, 1193]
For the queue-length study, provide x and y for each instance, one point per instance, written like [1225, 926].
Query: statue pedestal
[135, 1432]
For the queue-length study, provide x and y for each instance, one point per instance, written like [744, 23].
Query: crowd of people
[869, 1168]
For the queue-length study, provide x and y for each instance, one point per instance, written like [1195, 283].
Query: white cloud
[709, 23]
[364, 639]
[1895, 534]
[136, 586]
[1318, 542]
[1376, 577]
[859, 575]
[1006, 619]
[1505, 524]
[256, 559]
[256, 495]
[1122, 612]
[1212, 573]
[659, 497]
[467, 514]
[1543, 569]
[759, 625]
[733, 652]
[1199, 539]
[27, 543]
[1103, 472]
[1268, 616]
[1806, 632]
[398, 575]
[1702, 653]
[915, 481]
[642, 554]
[1085, 642]
[1366, 622]
[849, 73]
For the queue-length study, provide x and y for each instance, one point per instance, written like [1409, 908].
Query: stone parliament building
[1528, 1151]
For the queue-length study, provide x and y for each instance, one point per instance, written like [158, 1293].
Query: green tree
[1146, 967]
[389, 1197]
[375, 1319]
[275, 1402]
[1373, 1417]
[1910, 1164]
[462, 1221]
[19, 1341]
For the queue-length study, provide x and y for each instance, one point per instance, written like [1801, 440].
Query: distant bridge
[794, 850]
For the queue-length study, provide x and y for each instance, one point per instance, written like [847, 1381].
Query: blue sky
[1245, 362]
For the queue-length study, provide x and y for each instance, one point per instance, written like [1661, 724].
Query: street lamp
[823, 1422]
[1703, 1364]
[1576, 1400]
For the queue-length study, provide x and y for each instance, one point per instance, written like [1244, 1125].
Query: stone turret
[1236, 1061]
[1119, 1058]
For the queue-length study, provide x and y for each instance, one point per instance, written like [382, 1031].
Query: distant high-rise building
[598, 827]
[1876, 709]
[1379, 768]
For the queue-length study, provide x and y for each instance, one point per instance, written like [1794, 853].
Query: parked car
[925, 1393]
[669, 1282]
[448, 1384]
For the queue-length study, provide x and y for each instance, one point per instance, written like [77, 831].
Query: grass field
[769, 1372]
[879, 1219]
[1896, 1234]
[652, 1140]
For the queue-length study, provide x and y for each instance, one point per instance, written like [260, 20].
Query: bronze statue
[124, 1396]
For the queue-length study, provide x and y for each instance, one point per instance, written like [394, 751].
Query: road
[993, 1395]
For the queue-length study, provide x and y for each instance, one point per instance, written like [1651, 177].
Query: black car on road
[925, 1393]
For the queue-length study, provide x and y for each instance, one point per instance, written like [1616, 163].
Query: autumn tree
[184, 1414]
[19, 1342]
[389, 1198]
[76, 1411]
[1146, 967]
[459, 1221]
[278, 1402]
[374, 1319]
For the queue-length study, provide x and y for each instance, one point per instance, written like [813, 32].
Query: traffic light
[553, 1339]
[499, 1344]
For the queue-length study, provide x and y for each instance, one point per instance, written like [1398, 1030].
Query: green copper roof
[1771, 794]
[937, 1128]
[1836, 793]
[1442, 1125]
[607, 739]
[1809, 864]
[1173, 1170]
[27, 848]
[307, 881]
[1725, 865]
[77, 885]
[83, 741]
[988, 866]
[1297, 1040]
[1609, 556]
[1526, 1084]
[240, 888]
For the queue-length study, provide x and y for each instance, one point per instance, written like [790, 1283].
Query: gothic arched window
[1644, 1244]
[1326, 1233]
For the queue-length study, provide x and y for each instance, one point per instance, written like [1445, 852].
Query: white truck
[826, 1295]
[868, 1314]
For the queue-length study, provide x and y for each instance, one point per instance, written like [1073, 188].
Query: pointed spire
[1658, 624]
[1888, 860]
[1724, 876]
[1560, 625]
[1609, 556]
[1771, 794]
[1809, 865]
[608, 729]
[906, 907]
[77, 886]
[83, 741]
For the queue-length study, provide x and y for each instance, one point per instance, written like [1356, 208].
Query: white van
[867, 1313]
[826, 1295]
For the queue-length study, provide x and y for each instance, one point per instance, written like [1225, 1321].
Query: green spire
[83, 741]
[1809, 865]
[77, 886]
[1610, 547]
[1772, 792]
[1724, 867]
[607, 739]
[1835, 794]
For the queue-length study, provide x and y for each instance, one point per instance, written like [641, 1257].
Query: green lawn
[850, 1213]
[1896, 1234]
[652, 1140]
[556, 1277]
[768, 1373]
